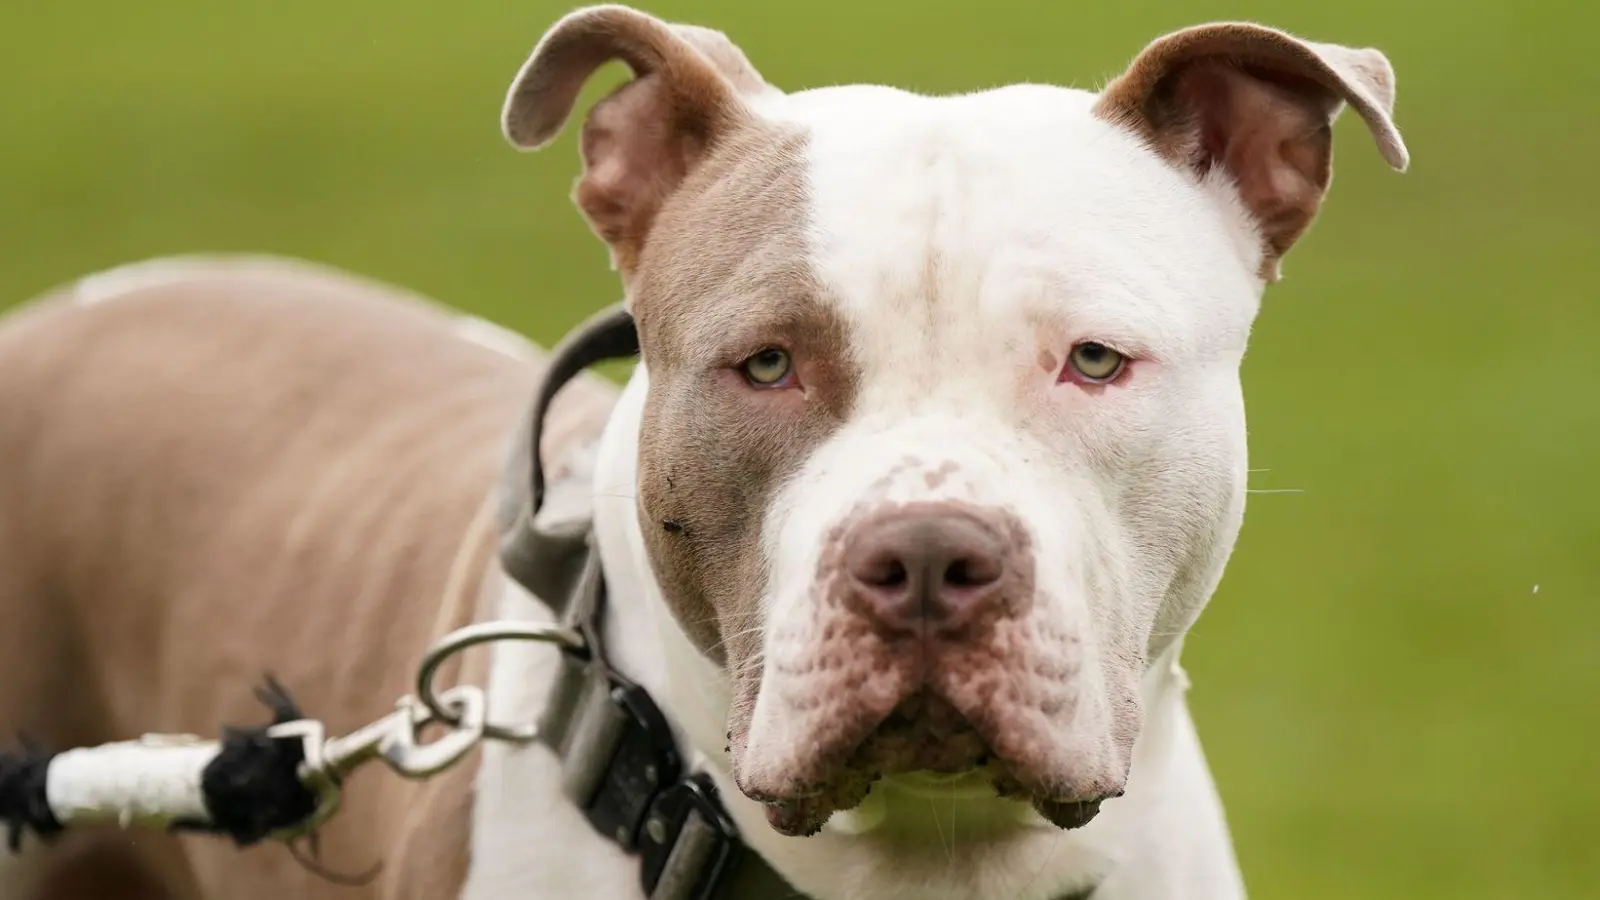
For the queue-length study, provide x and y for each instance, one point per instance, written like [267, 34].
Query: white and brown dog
[935, 452]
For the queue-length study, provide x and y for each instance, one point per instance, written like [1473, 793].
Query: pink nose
[928, 564]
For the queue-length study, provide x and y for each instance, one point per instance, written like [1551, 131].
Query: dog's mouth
[927, 746]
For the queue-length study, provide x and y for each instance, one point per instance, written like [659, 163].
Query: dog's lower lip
[791, 796]
[1067, 814]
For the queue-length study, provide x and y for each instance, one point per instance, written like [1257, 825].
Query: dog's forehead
[1016, 205]
[932, 230]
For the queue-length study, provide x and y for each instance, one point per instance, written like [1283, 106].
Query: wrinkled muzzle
[937, 625]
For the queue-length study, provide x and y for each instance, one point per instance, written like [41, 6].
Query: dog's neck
[645, 643]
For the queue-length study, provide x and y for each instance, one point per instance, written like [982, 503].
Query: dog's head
[944, 438]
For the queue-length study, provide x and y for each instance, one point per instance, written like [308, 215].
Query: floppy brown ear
[1260, 103]
[640, 142]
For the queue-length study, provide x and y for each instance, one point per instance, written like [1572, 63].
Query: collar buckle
[628, 757]
[689, 846]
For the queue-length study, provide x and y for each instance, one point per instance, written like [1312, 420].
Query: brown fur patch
[1048, 361]
[725, 277]
[703, 206]
[639, 143]
[251, 468]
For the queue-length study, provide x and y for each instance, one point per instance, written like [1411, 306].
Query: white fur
[1042, 226]
[1167, 831]
[527, 840]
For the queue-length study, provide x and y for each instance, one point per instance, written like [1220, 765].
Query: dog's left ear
[1260, 104]
[690, 89]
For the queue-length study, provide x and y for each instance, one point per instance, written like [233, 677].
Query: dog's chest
[527, 840]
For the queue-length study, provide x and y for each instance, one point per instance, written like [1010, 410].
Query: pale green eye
[768, 368]
[1096, 362]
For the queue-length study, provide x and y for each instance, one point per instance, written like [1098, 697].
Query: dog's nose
[932, 564]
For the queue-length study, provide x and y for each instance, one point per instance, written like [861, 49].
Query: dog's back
[216, 468]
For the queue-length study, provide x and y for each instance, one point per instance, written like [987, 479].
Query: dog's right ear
[1259, 104]
[640, 142]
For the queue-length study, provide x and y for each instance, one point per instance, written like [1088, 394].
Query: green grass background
[1397, 681]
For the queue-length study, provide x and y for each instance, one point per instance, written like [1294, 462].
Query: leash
[620, 763]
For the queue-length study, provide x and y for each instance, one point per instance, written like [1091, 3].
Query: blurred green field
[1397, 683]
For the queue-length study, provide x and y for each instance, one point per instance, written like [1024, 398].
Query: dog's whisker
[948, 850]
[757, 627]
[750, 666]
[953, 804]
[735, 636]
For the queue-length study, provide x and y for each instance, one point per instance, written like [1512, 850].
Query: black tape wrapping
[24, 804]
[252, 788]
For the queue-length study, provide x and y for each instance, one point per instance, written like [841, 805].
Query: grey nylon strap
[580, 723]
[556, 562]
[547, 557]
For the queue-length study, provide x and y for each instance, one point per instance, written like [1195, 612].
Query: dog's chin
[806, 816]
[1067, 814]
[923, 747]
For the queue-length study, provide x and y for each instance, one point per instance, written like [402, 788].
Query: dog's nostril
[885, 570]
[942, 563]
[972, 572]
[892, 575]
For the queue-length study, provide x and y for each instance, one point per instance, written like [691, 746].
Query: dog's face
[944, 437]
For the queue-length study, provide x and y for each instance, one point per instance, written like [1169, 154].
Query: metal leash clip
[395, 738]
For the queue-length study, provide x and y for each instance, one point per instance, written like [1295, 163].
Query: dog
[934, 452]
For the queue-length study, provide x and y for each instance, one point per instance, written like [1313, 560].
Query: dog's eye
[769, 368]
[1096, 362]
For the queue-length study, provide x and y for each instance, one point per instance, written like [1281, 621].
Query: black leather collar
[620, 763]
